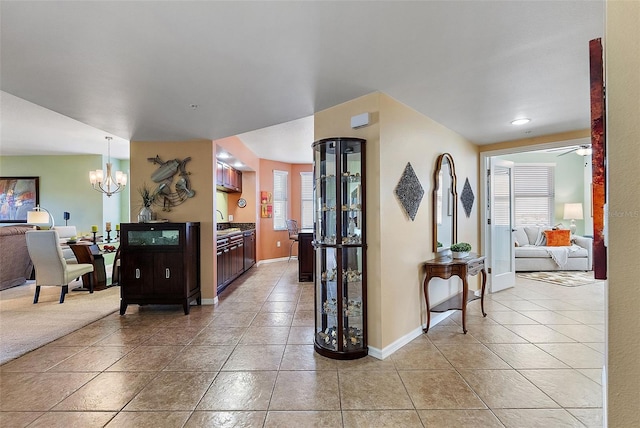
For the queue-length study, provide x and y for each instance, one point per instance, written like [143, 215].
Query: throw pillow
[558, 238]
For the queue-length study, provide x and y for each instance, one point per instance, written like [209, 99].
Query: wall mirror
[445, 204]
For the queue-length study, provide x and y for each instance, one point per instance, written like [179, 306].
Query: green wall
[569, 181]
[64, 186]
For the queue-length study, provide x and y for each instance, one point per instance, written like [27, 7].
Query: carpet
[25, 326]
[565, 278]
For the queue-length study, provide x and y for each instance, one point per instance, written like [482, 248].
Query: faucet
[221, 215]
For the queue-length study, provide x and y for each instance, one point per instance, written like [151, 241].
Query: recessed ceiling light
[520, 121]
[193, 106]
[223, 155]
[238, 164]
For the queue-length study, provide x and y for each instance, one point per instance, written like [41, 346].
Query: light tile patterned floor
[535, 361]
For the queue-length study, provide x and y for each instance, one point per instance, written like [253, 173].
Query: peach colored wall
[398, 246]
[269, 237]
[199, 208]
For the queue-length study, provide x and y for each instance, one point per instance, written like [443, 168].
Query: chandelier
[106, 183]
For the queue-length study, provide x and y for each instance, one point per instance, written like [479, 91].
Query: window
[534, 193]
[306, 198]
[280, 199]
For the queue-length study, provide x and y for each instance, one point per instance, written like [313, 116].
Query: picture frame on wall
[18, 195]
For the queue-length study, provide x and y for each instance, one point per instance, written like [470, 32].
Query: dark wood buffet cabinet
[160, 264]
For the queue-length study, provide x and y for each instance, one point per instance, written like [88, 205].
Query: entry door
[500, 218]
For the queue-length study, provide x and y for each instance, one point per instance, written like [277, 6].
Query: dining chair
[292, 228]
[50, 266]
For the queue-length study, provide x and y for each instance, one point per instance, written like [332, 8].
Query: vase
[459, 254]
[145, 215]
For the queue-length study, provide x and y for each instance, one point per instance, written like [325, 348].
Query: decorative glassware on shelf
[340, 248]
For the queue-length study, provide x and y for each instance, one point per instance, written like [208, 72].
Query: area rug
[565, 278]
[25, 326]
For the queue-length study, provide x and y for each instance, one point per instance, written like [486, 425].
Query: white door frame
[484, 166]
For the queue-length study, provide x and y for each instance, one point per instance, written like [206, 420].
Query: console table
[445, 268]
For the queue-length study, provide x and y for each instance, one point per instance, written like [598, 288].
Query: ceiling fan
[582, 150]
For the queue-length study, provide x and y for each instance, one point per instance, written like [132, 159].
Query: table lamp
[572, 212]
[40, 217]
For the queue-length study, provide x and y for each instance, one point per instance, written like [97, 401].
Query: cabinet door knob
[137, 273]
[167, 273]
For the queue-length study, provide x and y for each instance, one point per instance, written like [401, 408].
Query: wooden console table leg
[465, 291]
[484, 284]
[426, 298]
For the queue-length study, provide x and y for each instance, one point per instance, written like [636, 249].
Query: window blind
[280, 192]
[306, 198]
[534, 194]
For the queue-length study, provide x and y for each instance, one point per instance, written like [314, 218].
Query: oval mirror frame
[450, 208]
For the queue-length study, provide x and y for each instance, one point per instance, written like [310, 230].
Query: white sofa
[533, 255]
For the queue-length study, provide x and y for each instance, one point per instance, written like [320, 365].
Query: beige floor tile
[580, 333]
[591, 418]
[219, 336]
[419, 355]
[585, 317]
[304, 419]
[367, 363]
[495, 334]
[439, 389]
[521, 305]
[506, 389]
[593, 374]
[238, 307]
[472, 356]
[473, 318]
[575, 355]
[556, 305]
[172, 391]
[107, 391]
[450, 334]
[537, 418]
[18, 419]
[233, 319]
[128, 336]
[146, 358]
[548, 317]
[303, 357]
[200, 358]
[526, 356]
[255, 357]
[73, 419]
[459, 418]
[84, 337]
[304, 319]
[239, 391]
[272, 319]
[567, 387]
[539, 333]
[226, 419]
[281, 296]
[173, 336]
[507, 318]
[41, 359]
[600, 347]
[306, 390]
[287, 306]
[149, 420]
[93, 359]
[381, 418]
[489, 306]
[301, 336]
[38, 391]
[260, 335]
[365, 390]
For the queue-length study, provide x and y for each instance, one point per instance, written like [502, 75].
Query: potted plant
[460, 250]
[146, 213]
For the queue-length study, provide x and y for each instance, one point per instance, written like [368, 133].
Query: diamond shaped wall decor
[409, 191]
[467, 197]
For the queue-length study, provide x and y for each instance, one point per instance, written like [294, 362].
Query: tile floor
[535, 361]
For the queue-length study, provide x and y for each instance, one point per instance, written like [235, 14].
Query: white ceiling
[133, 69]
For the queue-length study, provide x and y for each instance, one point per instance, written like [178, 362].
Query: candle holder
[94, 237]
[108, 236]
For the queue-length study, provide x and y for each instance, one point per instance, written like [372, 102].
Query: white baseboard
[280, 259]
[213, 301]
[604, 396]
[381, 354]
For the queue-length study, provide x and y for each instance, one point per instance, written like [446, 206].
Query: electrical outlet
[230, 217]
[278, 244]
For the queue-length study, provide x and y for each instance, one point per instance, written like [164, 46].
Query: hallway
[535, 361]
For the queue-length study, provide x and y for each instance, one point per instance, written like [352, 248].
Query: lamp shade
[573, 211]
[37, 217]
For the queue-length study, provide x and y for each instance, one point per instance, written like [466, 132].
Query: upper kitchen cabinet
[228, 179]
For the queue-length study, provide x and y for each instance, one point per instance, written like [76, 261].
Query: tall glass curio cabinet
[340, 248]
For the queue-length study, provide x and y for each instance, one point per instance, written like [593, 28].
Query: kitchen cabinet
[160, 264]
[340, 278]
[235, 254]
[228, 179]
